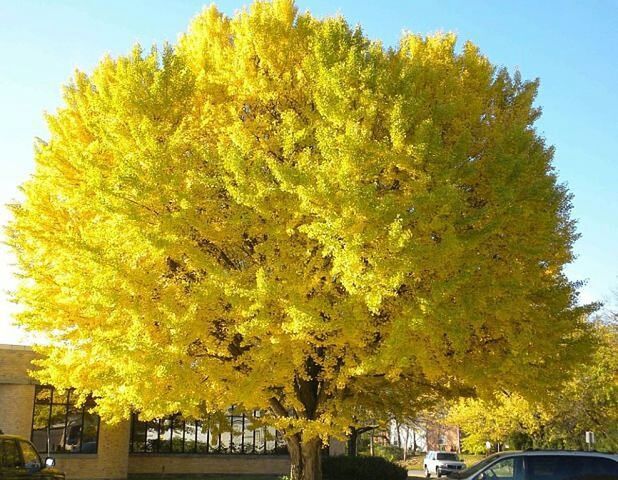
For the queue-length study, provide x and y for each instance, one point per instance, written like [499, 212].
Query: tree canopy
[280, 213]
[587, 402]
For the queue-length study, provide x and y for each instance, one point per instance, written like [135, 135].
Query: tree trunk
[306, 462]
[353, 442]
[398, 430]
[405, 447]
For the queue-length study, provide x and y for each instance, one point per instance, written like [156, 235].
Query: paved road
[416, 474]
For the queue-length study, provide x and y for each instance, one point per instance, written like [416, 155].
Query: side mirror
[50, 462]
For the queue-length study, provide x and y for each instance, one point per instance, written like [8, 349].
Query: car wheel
[438, 473]
[427, 474]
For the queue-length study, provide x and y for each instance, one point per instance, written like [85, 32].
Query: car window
[31, 457]
[548, 467]
[560, 467]
[9, 454]
[574, 467]
[477, 467]
[505, 469]
[588, 468]
[448, 456]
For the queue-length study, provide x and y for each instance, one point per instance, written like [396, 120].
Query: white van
[442, 463]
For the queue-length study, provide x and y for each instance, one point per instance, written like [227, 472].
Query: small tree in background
[280, 213]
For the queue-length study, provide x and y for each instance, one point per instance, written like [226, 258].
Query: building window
[60, 426]
[225, 433]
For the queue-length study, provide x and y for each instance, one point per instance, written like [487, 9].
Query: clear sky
[571, 45]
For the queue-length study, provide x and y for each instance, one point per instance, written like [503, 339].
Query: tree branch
[277, 407]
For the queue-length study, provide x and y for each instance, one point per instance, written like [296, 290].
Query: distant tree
[281, 214]
[508, 417]
[588, 401]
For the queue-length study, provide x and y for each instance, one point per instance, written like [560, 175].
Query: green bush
[390, 452]
[361, 468]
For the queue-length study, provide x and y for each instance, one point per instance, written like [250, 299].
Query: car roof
[570, 453]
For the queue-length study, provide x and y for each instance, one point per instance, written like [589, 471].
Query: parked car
[19, 460]
[543, 465]
[441, 463]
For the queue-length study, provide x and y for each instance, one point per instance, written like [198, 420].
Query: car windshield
[448, 456]
[477, 467]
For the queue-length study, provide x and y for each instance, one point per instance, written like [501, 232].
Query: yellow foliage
[588, 401]
[277, 210]
[495, 421]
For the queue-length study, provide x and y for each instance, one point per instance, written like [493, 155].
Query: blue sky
[572, 46]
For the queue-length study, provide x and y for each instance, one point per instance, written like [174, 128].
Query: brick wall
[336, 447]
[442, 437]
[15, 363]
[140, 464]
[16, 403]
[16, 389]
[110, 462]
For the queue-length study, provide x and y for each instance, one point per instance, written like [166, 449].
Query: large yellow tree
[279, 213]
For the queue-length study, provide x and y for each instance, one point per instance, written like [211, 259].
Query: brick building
[87, 448]
[442, 437]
